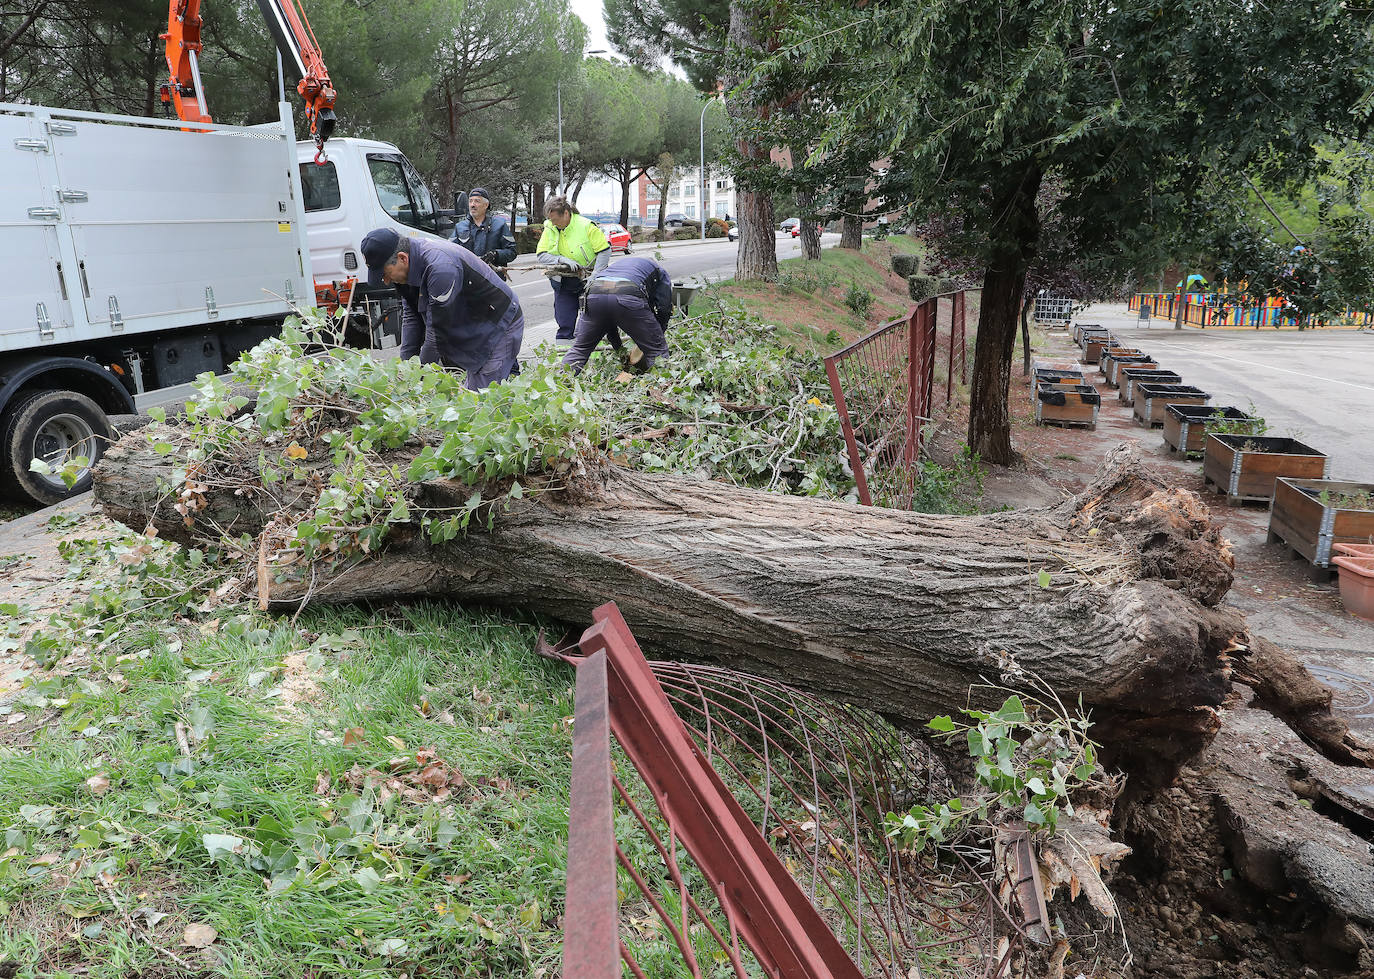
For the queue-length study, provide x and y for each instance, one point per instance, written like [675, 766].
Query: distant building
[683, 196]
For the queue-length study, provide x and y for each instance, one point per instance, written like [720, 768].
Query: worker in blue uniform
[455, 311]
[486, 235]
[634, 295]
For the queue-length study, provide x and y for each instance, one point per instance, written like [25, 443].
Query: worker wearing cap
[454, 309]
[575, 248]
[486, 235]
[634, 295]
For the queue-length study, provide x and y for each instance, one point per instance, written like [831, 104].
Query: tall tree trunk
[1026, 304]
[448, 168]
[577, 188]
[537, 202]
[626, 181]
[989, 422]
[810, 236]
[757, 256]
[663, 201]
[852, 232]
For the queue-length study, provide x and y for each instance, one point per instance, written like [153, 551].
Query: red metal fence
[885, 390]
[747, 838]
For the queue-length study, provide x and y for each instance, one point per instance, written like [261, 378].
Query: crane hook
[320, 158]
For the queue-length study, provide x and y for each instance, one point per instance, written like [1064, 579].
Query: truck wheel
[53, 426]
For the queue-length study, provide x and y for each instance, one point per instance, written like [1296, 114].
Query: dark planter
[1185, 426]
[1319, 529]
[1245, 467]
[1111, 370]
[1152, 400]
[1066, 404]
[1104, 362]
[1129, 376]
[1080, 328]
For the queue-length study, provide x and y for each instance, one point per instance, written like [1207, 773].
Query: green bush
[716, 228]
[906, 265]
[948, 285]
[687, 234]
[527, 238]
[859, 300]
[922, 287]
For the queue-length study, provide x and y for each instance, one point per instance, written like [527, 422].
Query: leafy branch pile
[733, 403]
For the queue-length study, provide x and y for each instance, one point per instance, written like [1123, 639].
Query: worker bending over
[454, 309]
[577, 249]
[634, 295]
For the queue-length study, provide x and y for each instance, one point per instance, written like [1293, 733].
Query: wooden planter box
[1129, 376]
[1066, 404]
[1046, 375]
[1080, 328]
[1093, 345]
[1245, 467]
[1152, 400]
[1185, 426]
[1104, 363]
[1315, 529]
[1112, 371]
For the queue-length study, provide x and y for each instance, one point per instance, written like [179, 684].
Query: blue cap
[378, 247]
[480, 192]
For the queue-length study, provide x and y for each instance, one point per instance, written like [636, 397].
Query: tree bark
[1026, 303]
[899, 611]
[537, 202]
[810, 237]
[989, 422]
[757, 255]
[852, 232]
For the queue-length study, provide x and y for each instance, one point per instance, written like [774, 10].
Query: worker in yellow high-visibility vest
[575, 247]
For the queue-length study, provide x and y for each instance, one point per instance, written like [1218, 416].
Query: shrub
[716, 228]
[648, 234]
[527, 238]
[906, 265]
[859, 301]
[687, 234]
[922, 287]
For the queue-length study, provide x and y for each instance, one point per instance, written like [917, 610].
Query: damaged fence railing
[745, 837]
[884, 389]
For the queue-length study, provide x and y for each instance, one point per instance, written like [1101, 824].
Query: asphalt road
[1316, 386]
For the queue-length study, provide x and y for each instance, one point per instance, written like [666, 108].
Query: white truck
[137, 253]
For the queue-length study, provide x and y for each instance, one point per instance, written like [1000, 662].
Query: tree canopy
[1139, 112]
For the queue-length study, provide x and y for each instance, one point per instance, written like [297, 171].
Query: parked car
[791, 224]
[617, 236]
[796, 229]
[732, 232]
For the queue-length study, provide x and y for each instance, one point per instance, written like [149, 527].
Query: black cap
[480, 192]
[378, 247]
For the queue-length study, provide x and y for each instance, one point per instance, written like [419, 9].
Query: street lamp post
[701, 160]
[562, 187]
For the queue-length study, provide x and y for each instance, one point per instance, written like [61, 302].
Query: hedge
[906, 265]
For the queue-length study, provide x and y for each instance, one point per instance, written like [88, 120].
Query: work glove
[490, 257]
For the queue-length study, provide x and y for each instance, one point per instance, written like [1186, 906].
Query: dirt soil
[1188, 909]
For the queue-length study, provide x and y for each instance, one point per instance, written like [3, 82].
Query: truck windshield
[401, 191]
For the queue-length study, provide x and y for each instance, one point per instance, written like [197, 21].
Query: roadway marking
[1285, 370]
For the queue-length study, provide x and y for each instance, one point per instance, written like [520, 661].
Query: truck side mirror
[460, 203]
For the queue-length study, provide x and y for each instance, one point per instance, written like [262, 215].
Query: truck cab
[364, 184]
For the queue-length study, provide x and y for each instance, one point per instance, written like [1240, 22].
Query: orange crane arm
[290, 28]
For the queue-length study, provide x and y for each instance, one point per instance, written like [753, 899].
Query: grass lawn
[360, 794]
[807, 305]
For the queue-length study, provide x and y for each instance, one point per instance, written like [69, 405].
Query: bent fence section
[745, 836]
[886, 391]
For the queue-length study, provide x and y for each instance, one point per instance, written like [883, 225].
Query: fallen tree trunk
[1109, 596]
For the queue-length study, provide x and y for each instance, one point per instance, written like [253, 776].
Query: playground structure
[1218, 309]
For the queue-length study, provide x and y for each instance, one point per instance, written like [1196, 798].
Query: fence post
[913, 359]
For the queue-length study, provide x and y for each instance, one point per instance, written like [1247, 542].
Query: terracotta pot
[1357, 585]
[1354, 550]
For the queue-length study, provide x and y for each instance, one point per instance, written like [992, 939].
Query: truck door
[176, 226]
[37, 307]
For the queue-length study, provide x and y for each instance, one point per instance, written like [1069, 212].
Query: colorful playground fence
[1204, 310]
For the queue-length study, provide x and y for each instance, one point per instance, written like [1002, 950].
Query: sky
[597, 194]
